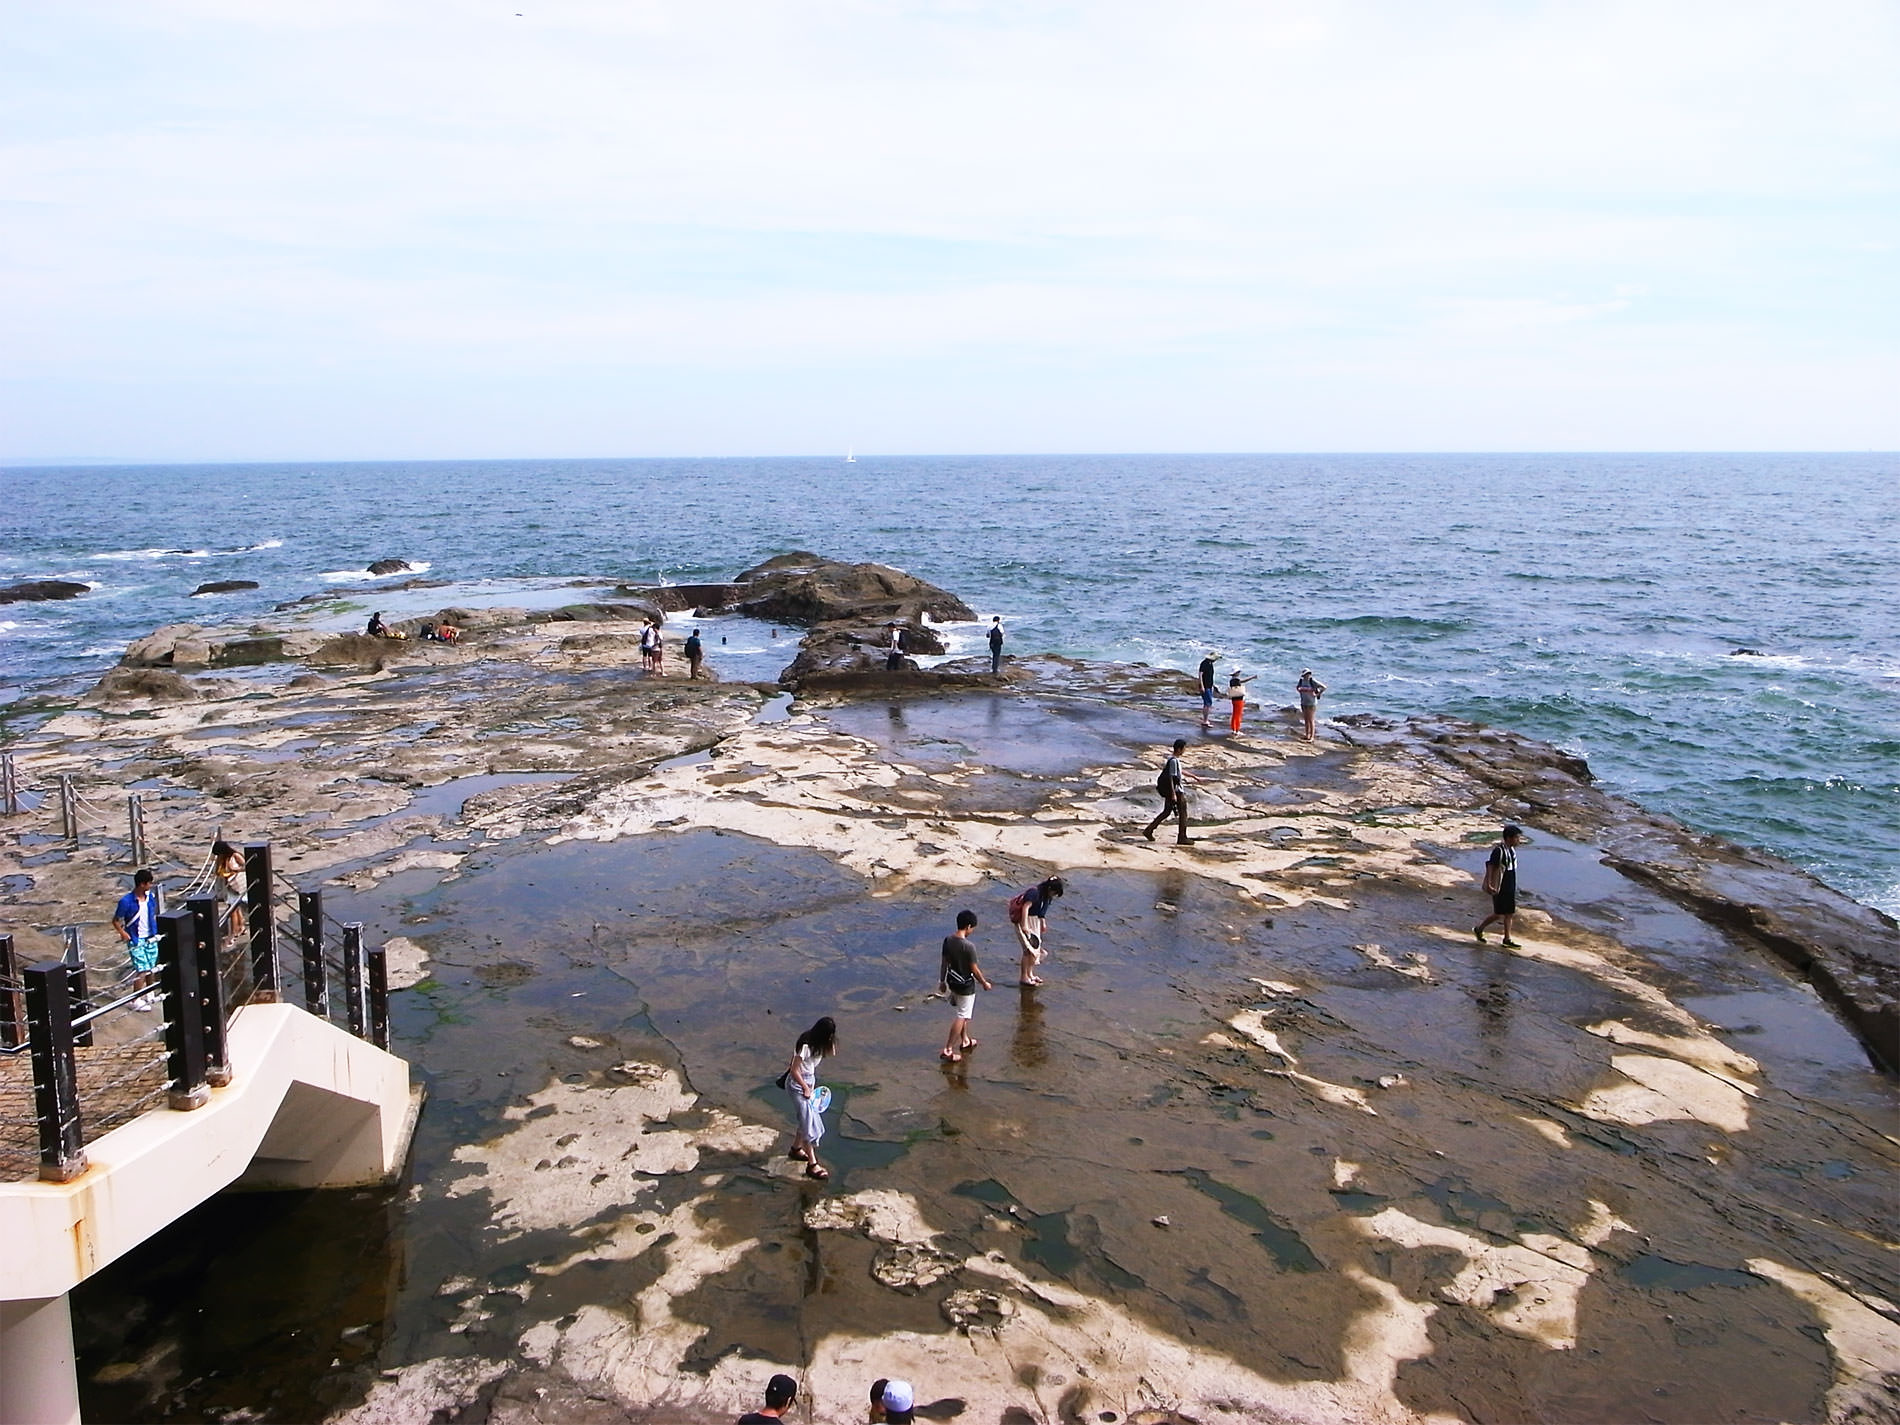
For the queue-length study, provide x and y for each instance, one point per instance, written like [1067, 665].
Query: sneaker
[1149, 832]
[1510, 945]
[1478, 930]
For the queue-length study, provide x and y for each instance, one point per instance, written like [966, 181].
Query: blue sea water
[1596, 601]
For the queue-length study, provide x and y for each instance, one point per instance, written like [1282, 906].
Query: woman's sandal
[800, 1155]
[812, 1170]
[949, 1058]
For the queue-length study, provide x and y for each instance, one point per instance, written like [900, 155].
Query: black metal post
[263, 927]
[77, 991]
[12, 998]
[49, 1019]
[135, 827]
[353, 979]
[316, 984]
[207, 932]
[184, 1034]
[379, 997]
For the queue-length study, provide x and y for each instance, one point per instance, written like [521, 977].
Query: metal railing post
[9, 785]
[68, 808]
[316, 984]
[184, 1036]
[379, 997]
[78, 992]
[49, 1019]
[208, 935]
[135, 826]
[259, 921]
[12, 997]
[353, 978]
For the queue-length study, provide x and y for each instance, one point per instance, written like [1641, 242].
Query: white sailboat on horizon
[849, 458]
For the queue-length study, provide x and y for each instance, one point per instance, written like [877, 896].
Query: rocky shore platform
[1276, 1141]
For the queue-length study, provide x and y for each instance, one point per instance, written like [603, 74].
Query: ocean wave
[1402, 623]
[343, 576]
[123, 556]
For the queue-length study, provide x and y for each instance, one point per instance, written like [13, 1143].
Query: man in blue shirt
[136, 921]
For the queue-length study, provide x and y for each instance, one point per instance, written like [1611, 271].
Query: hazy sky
[547, 227]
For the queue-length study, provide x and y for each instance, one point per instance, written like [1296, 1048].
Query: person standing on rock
[1310, 690]
[695, 654]
[800, 1078]
[649, 635]
[1207, 690]
[1029, 914]
[1237, 695]
[958, 975]
[1500, 883]
[894, 649]
[996, 644]
[1172, 784]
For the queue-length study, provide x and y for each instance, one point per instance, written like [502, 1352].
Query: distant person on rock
[894, 649]
[958, 975]
[1237, 695]
[1172, 784]
[376, 628]
[1029, 913]
[135, 920]
[649, 637]
[780, 1392]
[1310, 690]
[1500, 883]
[695, 654]
[996, 644]
[800, 1079]
[1207, 689]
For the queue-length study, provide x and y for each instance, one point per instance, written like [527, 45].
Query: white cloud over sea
[240, 230]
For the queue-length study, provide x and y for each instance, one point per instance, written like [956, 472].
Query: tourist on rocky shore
[996, 644]
[1310, 690]
[814, 1046]
[893, 1402]
[958, 975]
[894, 650]
[1500, 883]
[695, 654]
[780, 1392]
[1030, 906]
[649, 644]
[376, 628]
[1237, 694]
[135, 919]
[1172, 784]
[1207, 689]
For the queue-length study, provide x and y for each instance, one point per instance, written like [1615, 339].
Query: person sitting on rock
[378, 629]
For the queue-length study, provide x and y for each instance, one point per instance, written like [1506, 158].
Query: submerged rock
[390, 566]
[224, 586]
[39, 590]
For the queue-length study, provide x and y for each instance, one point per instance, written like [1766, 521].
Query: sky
[251, 230]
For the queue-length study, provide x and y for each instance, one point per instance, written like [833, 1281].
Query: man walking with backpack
[1172, 784]
[958, 975]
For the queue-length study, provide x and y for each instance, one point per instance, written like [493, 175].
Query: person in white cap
[893, 1401]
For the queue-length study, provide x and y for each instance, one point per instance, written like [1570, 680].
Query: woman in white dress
[815, 1045]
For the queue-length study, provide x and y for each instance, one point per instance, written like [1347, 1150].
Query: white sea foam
[344, 576]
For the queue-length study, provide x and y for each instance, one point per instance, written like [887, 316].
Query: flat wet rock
[1635, 1168]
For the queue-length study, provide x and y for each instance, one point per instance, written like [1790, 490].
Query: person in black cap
[1500, 881]
[780, 1392]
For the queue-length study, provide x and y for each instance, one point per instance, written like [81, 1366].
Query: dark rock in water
[224, 586]
[800, 588]
[159, 685]
[389, 566]
[1747, 653]
[40, 590]
[677, 598]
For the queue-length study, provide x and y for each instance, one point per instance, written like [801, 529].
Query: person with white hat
[893, 1401]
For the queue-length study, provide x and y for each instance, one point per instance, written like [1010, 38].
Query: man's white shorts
[964, 1005]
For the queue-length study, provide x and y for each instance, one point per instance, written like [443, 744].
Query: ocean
[1718, 634]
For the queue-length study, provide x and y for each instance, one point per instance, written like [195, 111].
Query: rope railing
[216, 954]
